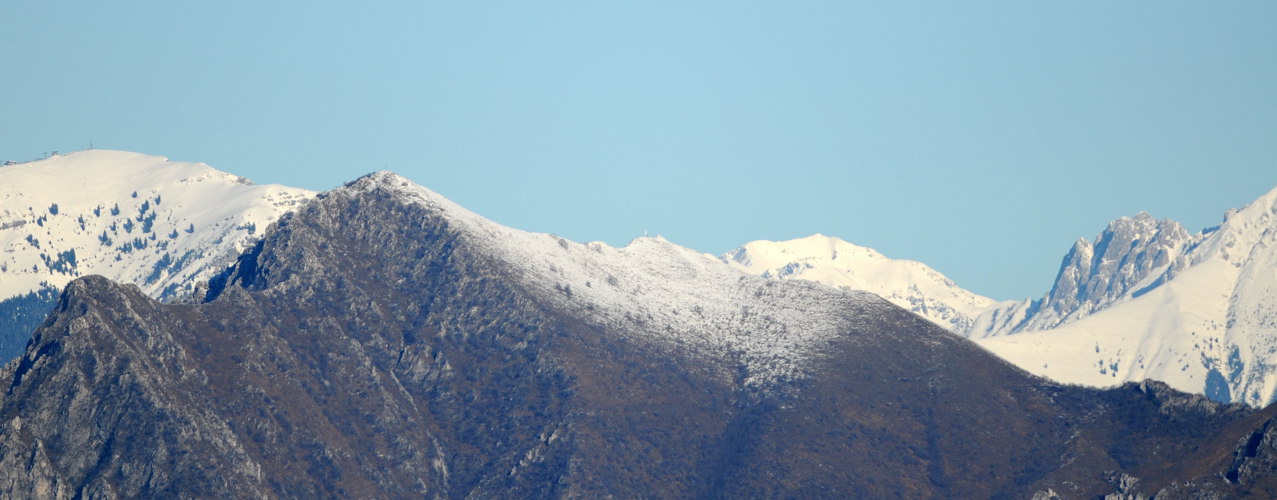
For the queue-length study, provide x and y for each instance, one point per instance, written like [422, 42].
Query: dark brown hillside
[370, 348]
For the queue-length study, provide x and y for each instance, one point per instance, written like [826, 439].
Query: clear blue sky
[979, 137]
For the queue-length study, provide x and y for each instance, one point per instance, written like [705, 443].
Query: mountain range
[1148, 300]
[1144, 299]
[381, 341]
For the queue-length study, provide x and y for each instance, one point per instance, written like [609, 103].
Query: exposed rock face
[25, 471]
[1255, 459]
[1246, 470]
[1131, 255]
[112, 397]
[378, 344]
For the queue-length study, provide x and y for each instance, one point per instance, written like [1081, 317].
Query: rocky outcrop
[25, 471]
[1131, 256]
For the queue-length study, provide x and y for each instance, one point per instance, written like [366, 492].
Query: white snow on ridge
[677, 295]
[131, 217]
[837, 263]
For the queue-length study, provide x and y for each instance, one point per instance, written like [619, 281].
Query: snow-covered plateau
[161, 225]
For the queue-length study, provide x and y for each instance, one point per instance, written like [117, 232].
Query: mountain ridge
[373, 346]
[1185, 339]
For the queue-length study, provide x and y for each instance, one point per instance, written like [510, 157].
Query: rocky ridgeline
[1131, 256]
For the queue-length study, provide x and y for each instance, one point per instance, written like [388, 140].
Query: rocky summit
[382, 342]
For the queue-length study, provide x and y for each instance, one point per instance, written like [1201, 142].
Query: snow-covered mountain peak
[834, 262]
[1131, 253]
[132, 217]
[385, 179]
[1241, 230]
[407, 191]
[760, 257]
[109, 168]
[1148, 300]
[648, 240]
[1131, 256]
